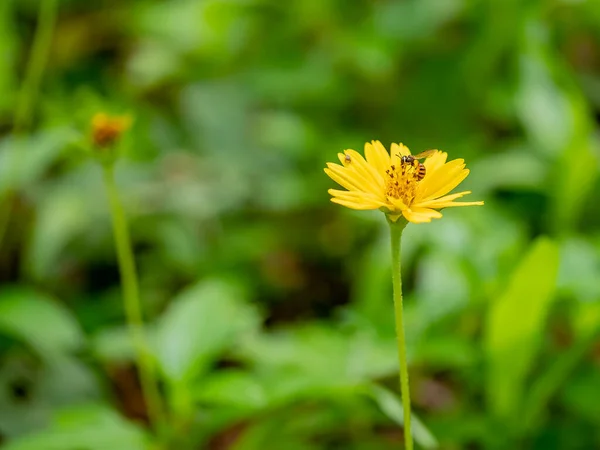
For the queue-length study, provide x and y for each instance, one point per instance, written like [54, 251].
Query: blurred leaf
[442, 289]
[581, 395]
[415, 19]
[495, 241]
[231, 388]
[214, 113]
[152, 63]
[515, 326]
[499, 171]
[180, 244]
[579, 268]
[371, 291]
[586, 319]
[445, 352]
[575, 174]
[24, 160]
[558, 122]
[176, 25]
[30, 390]
[62, 216]
[391, 406]
[543, 107]
[267, 433]
[344, 358]
[93, 427]
[113, 345]
[587, 327]
[200, 323]
[38, 320]
[291, 354]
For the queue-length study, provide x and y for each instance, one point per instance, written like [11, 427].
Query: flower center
[401, 182]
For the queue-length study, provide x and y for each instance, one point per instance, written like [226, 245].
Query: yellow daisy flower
[398, 186]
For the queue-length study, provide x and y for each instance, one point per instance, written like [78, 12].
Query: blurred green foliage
[270, 308]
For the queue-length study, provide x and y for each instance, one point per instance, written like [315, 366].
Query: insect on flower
[413, 160]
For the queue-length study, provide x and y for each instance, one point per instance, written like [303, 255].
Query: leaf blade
[514, 326]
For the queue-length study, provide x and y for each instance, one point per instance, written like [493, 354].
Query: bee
[348, 159]
[413, 160]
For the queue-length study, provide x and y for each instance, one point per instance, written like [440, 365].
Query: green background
[270, 307]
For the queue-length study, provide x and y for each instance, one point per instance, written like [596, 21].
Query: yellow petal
[362, 167]
[450, 185]
[426, 211]
[421, 215]
[435, 161]
[400, 149]
[348, 179]
[453, 204]
[377, 156]
[342, 158]
[445, 199]
[434, 184]
[398, 204]
[357, 196]
[354, 205]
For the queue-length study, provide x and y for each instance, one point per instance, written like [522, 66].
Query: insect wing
[425, 154]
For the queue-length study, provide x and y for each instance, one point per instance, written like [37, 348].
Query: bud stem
[132, 304]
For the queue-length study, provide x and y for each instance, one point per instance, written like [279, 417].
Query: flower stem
[131, 299]
[36, 64]
[396, 237]
[34, 71]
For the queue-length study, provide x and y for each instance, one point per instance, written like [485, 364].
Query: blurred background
[270, 307]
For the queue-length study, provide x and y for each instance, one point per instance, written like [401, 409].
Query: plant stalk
[396, 237]
[37, 64]
[132, 304]
[34, 72]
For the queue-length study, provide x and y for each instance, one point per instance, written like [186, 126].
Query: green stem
[36, 64]
[34, 73]
[131, 299]
[396, 237]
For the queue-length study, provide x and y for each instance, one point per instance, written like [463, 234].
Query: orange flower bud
[107, 130]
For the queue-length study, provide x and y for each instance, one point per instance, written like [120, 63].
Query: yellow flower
[106, 130]
[396, 186]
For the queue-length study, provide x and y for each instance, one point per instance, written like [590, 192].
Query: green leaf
[547, 111]
[39, 320]
[499, 171]
[578, 272]
[391, 406]
[515, 325]
[580, 395]
[61, 216]
[342, 359]
[92, 427]
[200, 324]
[231, 388]
[586, 323]
[24, 160]
[586, 319]
[113, 345]
[574, 181]
[61, 380]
